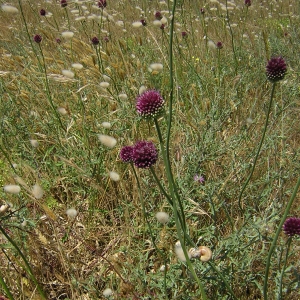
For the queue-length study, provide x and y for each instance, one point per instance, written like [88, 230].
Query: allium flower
[144, 154]
[219, 45]
[42, 12]
[276, 69]
[184, 34]
[95, 41]
[106, 39]
[37, 38]
[202, 11]
[149, 104]
[102, 3]
[58, 40]
[144, 23]
[126, 154]
[158, 15]
[248, 3]
[291, 226]
[162, 27]
[63, 3]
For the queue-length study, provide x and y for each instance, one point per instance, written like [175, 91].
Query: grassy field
[76, 221]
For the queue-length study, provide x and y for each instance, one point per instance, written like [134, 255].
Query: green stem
[259, 148]
[48, 91]
[279, 229]
[223, 279]
[283, 268]
[28, 268]
[6, 289]
[149, 227]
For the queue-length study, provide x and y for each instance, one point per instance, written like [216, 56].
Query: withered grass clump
[68, 106]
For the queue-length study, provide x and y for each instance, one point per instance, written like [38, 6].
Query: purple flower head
[144, 22]
[144, 154]
[63, 3]
[199, 179]
[102, 4]
[95, 41]
[248, 3]
[106, 39]
[42, 12]
[37, 38]
[219, 45]
[126, 154]
[158, 15]
[162, 26]
[202, 11]
[291, 226]
[276, 69]
[184, 34]
[149, 104]
[58, 40]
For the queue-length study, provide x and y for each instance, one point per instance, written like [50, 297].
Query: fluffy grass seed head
[179, 252]
[156, 67]
[144, 154]
[77, 66]
[71, 213]
[114, 176]
[123, 97]
[62, 111]
[107, 140]
[137, 24]
[106, 125]
[34, 143]
[276, 69]
[9, 8]
[107, 292]
[12, 189]
[162, 217]
[68, 74]
[104, 84]
[149, 104]
[37, 191]
[67, 34]
[126, 154]
[291, 226]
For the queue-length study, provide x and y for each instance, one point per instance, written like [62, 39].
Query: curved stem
[27, 268]
[279, 229]
[259, 148]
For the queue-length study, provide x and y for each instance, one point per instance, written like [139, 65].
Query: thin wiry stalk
[27, 266]
[259, 148]
[6, 289]
[150, 229]
[279, 229]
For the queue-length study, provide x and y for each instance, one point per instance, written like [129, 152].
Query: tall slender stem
[259, 148]
[279, 229]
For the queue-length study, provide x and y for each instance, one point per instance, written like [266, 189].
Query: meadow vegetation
[77, 221]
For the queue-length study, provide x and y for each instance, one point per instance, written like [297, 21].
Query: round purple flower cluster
[42, 12]
[63, 3]
[248, 3]
[102, 4]
[276, 69]
[37, 38]
[95, 41]
[143, 154]
[149, 104]
[291, 226]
